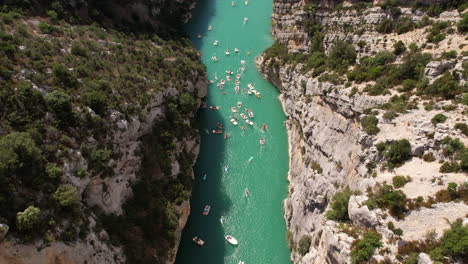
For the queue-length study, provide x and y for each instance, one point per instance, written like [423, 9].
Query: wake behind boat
[231, 240]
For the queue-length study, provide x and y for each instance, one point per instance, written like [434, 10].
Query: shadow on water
[211, 163]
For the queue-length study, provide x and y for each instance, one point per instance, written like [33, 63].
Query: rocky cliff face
[329, 150]
[131, 101]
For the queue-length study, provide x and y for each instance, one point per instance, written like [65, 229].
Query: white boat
[228, 78]
[239, 104]
[238, 76]
[215, 43]
[229, 72]
[199, 36]
[249, 91]
[249, 122]
[234, 122]
[231, 240]
[251, 115]
[241, 262]
[242, 62]
[214, 58]
[206, 210]
[223, 81]
[243, 116]
[234, 110]
[250, 86]
[237, 82]
[198, 241]
[236, 50]
[236, 88]
[227, 52]
[262, 141]
[245, 20]
[210, 28]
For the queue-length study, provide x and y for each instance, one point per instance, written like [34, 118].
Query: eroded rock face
[328, 149]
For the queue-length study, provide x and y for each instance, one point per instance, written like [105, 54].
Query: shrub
[386, 197]
[78, 50]
[398, 152]
[304, 245]
[404, 24]
[60, 104]
[66, 195]
[46, 28]
[429, 157]
[339, 206]
[53, 171]
[439, 118]
[454, 242]
[446, 86]
[399, 48]
[369, 125]
[385, 27]
[342, 55]
[462, 25]
[400, 181]
[98, 101]
[462, 127]
[28, 219]
[316, 167]
[81, 173]
[99, 158]
[450, 166]
[363, 249]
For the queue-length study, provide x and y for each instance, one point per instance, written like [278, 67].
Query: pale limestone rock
[423, 258]
[359, 213]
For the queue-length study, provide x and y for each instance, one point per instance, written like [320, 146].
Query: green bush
[385, 27]
[436, 33]
[363, 249]
[398, 152]
[393, 200]
[59, 103]
[339, 206]
[462, 25]
[439, 118]
[100, 158]
[304, 245]
[53, 171]
[28, 219]
[454, 242]
[98, 101]
[462, 127]
[369, 125]
[46, 28]
[400, 181]
[66, 195]
[342, 55]
[78, 50]
[429, 157]
[399, 48]
[450, 167]
[404, 24]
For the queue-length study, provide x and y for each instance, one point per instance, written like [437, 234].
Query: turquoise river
[255, 220]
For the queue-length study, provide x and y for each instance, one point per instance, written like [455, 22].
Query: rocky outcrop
[328, 149]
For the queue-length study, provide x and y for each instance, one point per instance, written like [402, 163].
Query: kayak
[231, 240]
[204, 177]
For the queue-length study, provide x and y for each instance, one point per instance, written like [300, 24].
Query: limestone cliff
[329, 150]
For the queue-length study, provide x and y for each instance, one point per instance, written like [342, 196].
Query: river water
[256, 220]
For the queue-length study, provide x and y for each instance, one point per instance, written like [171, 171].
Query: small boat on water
[206, 210]
[234, 122]
[237, 82]
[262, 141]
[258, 94]
[233, 3]
[245, 20]
[238, 76]
[228, 78]
[210, 27]
[214, 58]
[214, 107]
[229, 72]
[221, 220]
[264, 127]
[236, 50]
[236, 88]
[204, 177]
[241, 262]
[231, 240]
[249, 122]
[226, 168]
[222, 82]
[227, 52]
[246, 191]
[226, 136]
[199, 36]
[198, 241]
[203, 105]
[243, 116]
[234, 110]
[210, 81]
[217, 131]
[246, 2]
[249, 92]
[239, 104]
[250, 159]
[216, 43]
[251, 114]
[242, 62]
[250, 86]
[220, 125]
[243, 69]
